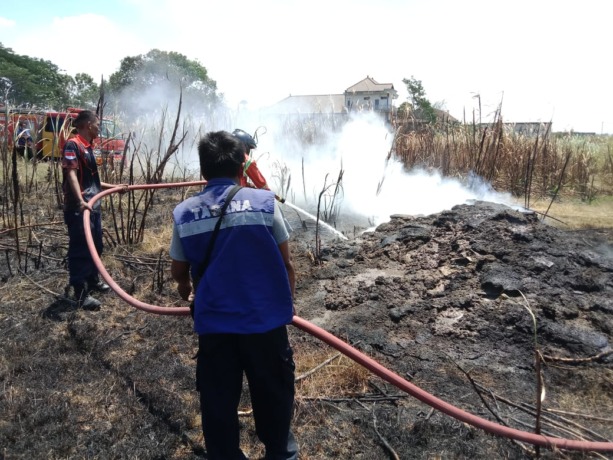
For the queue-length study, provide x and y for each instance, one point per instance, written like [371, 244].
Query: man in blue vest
[242, 302]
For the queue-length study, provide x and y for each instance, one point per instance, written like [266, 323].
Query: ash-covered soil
[443, 300]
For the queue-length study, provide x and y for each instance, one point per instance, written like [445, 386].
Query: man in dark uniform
[81, 183]
[250, 170]
[23, 143]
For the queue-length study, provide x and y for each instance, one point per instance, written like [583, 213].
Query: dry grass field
[434, 299]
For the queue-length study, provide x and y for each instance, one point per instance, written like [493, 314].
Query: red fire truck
[51, 129]
[56, 128]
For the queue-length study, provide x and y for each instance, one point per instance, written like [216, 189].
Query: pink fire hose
[347, 350]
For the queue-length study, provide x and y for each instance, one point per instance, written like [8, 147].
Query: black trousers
[267, 361]
[81, 266]
[23, 151]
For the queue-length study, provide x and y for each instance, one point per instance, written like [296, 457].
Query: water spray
[319, 221]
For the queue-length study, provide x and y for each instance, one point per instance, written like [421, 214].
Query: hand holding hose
[84, 205]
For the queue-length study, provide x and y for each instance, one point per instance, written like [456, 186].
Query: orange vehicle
[50, 130]
[56, 128]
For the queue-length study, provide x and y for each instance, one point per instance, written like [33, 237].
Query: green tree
[422, 107]
[404, 110]
[166, 73]
[32, 82]
[84, 91]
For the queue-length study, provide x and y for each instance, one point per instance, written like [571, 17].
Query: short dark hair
[83, 117]
[221, 155]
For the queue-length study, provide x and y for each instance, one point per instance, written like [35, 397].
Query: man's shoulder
[71, 144]
[259, 192]
[257, 195]
[188, 203]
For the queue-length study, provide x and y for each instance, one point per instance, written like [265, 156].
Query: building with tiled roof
[369, 94]
[366, 94]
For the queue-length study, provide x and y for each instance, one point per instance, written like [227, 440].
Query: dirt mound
[437, 297]
[441, 300]
[468, 274]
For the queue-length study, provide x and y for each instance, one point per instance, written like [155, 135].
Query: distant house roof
[369, 85]
[443, 115]
[328, 103]
[325, 103]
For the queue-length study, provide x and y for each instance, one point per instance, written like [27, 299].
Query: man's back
[245, 288]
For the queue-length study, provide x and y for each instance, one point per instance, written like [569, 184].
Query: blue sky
[544, 60]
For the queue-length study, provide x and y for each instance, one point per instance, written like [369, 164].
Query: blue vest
[245, 288]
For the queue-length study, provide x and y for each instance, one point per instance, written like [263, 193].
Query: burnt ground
[441, 300]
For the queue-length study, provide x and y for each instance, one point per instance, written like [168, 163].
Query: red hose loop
[175, 311]
[349, 351]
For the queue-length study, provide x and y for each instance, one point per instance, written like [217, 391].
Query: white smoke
[374, 187]
[374, 184]
[149, 113]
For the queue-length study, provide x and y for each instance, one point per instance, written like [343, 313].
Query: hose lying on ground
[349, 351]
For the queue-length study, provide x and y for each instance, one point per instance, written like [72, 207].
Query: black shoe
[90, 303]
[98, 286]
[84, 300]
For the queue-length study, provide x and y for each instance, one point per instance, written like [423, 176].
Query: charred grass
[119, 383]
